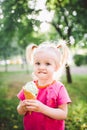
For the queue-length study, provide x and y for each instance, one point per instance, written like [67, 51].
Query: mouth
[42, 72]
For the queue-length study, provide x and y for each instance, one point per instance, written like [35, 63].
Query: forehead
[45, 54]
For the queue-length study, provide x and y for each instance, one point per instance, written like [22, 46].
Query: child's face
[44, 65]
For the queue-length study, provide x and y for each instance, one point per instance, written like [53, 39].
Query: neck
[45, 82]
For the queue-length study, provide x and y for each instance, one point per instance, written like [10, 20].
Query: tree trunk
[6, 66]
[68, 74]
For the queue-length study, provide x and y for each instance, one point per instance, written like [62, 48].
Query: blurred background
[35, 21]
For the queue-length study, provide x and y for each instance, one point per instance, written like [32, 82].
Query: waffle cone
[28, 95]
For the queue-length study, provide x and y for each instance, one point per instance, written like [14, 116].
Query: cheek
[52, 70]
[35, 72]
[35, 69]
[56, 68]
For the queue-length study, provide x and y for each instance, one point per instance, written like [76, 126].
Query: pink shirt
[52, 96]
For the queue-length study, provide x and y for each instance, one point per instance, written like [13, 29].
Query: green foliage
[77, 116]
[80, 59]
[9, 118]
[18, 19]
[77, 119]
[10, 83]
[69, 19]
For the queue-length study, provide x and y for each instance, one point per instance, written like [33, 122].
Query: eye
[37, 63]
[48, 64]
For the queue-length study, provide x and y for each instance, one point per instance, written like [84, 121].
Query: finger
[31, 108]
[31, 100]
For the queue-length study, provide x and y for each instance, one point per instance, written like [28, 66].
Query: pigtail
[64, 51]
[29, 52]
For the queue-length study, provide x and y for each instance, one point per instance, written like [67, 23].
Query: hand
[23, 105]
[34, 105]
[21, 108]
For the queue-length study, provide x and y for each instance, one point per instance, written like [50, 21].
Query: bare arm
[59, 113]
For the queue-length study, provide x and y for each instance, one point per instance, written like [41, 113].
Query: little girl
[49, 110]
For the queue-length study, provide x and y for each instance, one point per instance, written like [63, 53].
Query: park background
[35, 21]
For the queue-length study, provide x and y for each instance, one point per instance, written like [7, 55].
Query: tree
[66, 23]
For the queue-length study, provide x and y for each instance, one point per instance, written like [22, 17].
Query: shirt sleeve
[20, 95]
[63, 96]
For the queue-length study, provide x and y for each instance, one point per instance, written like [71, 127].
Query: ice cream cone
[28, 95]
[30, 90]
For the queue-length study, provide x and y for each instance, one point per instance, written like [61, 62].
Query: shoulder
[58, 85]
[55, 87]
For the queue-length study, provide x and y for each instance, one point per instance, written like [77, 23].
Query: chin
[42, 78]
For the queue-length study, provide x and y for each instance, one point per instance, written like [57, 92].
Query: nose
[42, 66]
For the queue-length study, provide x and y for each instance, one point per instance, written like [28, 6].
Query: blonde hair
[29, 52]
[61, 50]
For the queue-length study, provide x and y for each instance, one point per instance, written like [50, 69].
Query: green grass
[12, 82]
[77, 89]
